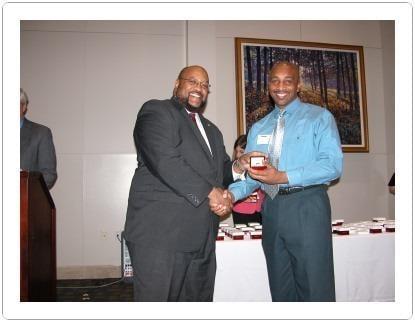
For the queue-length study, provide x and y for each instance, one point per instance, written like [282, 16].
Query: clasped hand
[220, 201]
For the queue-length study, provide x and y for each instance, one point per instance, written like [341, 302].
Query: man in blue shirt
[297, 239]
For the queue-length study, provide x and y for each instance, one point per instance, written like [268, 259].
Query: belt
[290, 190]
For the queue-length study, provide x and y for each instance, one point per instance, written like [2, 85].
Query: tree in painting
[329, 79]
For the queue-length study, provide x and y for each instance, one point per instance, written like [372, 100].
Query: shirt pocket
[297, 135]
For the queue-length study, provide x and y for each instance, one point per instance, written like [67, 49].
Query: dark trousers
[297, 244]
[169, 276]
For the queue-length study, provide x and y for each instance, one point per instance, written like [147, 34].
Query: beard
[189, 107]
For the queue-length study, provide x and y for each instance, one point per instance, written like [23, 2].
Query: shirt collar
[289, 109]
[21, 122]
[195, 113]
[176, 99]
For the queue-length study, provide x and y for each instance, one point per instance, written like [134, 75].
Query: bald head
[192, 87]
[283, 83]
[286, 64]
[189, 69]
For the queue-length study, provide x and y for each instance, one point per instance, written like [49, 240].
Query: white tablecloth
[364, 267]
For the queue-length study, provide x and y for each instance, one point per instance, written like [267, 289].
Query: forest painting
[331, 76]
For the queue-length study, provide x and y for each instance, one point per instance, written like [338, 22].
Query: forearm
[242, 189]
[47, 159]
[318, 172]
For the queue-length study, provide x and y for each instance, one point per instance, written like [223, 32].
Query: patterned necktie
[193, 117]
[274, 152]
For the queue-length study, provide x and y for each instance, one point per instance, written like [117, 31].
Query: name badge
[263, 139]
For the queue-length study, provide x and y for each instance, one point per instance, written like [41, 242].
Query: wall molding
[88, 272]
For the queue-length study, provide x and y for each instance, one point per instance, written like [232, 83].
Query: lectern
[37, 239]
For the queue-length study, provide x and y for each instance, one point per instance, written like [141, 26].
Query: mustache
[280, 92]
[196, 92]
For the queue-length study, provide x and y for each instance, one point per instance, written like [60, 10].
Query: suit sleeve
[227, 172]
[47, 158]
[156, 139]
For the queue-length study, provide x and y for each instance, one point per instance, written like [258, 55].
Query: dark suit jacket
[168, 206]
[37, 152]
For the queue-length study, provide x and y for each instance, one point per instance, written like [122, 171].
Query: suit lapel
[210, 135]
[215, 144]
[198, 135]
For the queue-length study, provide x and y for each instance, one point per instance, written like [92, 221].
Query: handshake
[220, 201]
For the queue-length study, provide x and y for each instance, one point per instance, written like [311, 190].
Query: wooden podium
[37, 239]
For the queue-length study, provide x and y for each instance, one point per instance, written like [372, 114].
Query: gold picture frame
[332, 76]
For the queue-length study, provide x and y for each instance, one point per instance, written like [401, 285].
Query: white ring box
[237, 235]
[257, 163]
[378, 219]
[245, 229]
[337, 222]
[256, 234]
[220, 236]
[229, 230]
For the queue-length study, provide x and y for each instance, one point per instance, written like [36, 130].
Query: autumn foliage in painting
[329, 79]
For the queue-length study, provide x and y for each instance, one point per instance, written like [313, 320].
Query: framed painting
[331, 76]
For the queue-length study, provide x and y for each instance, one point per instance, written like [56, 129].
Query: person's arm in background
[47, 158]
[391, 184]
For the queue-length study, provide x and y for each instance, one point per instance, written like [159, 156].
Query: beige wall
[86, 80]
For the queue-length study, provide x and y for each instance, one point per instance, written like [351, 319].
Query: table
[364, 268]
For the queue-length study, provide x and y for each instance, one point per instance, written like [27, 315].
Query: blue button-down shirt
[311, 150]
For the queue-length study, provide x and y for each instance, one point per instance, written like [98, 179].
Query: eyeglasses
[194, 83]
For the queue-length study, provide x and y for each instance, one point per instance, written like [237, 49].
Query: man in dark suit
[37, 152]
[176, 195]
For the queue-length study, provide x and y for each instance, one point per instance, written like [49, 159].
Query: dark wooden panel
[37, 240]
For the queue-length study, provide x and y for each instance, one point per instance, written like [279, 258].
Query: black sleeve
[392, 181]
[47, 158]
[227, 173]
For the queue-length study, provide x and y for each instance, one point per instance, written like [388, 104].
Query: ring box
[256, 234]
[246, 229]
[337, 222]
[257, 163]
[343, 231]
[375, 229]
[220, 236]
[237, 235]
